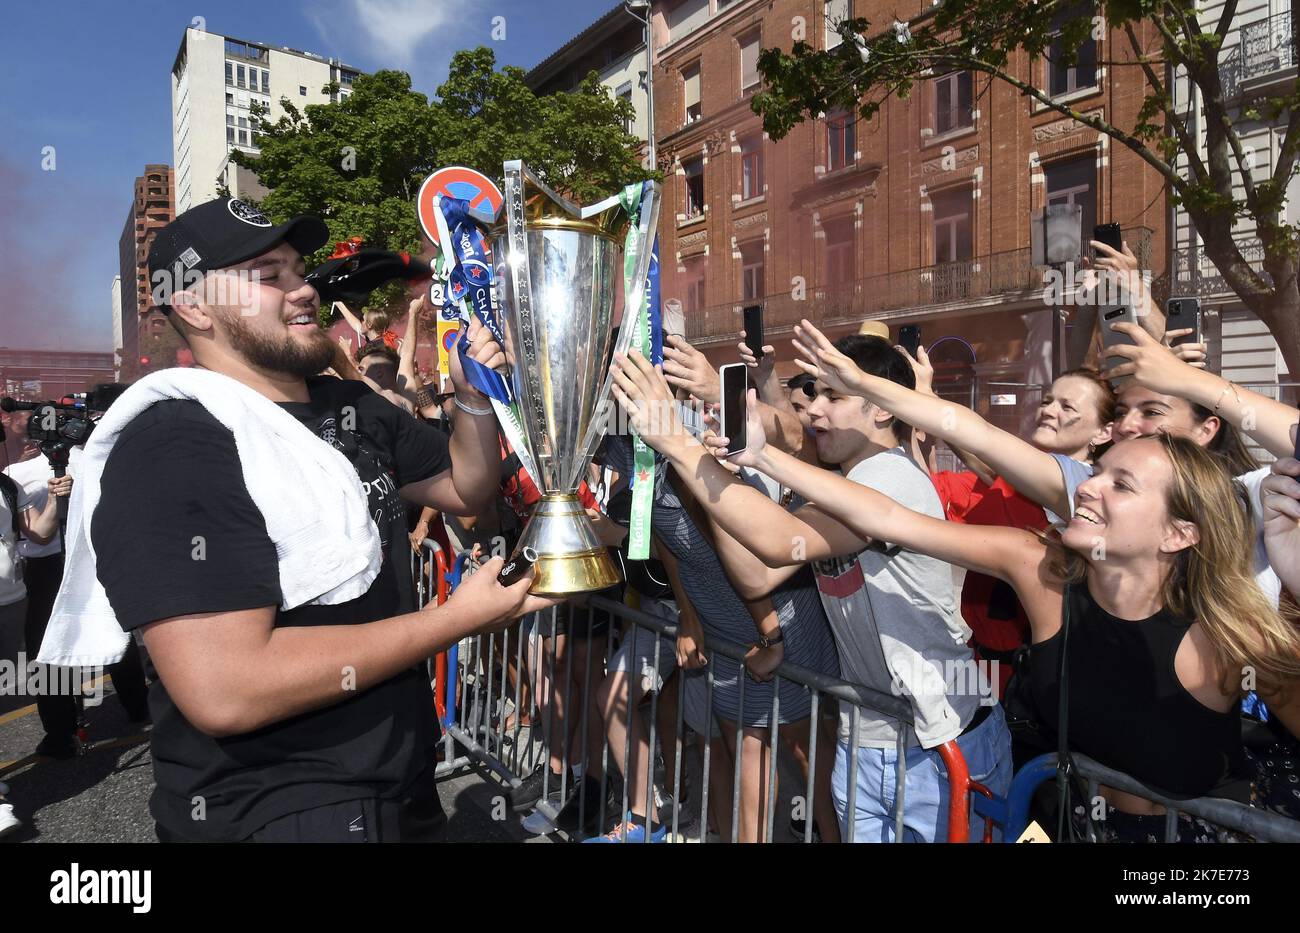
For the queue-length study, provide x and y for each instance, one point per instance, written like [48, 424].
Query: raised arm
[1034, 473]
[752, 518]
[353, 321]
[1155, 366]
[408, 381]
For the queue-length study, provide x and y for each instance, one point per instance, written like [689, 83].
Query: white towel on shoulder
[315, 509]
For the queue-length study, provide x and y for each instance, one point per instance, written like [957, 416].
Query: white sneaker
[8, 822]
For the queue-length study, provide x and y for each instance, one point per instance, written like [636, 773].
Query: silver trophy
[558, 266]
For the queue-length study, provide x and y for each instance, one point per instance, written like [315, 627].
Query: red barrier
[959, 784]
[440, 661]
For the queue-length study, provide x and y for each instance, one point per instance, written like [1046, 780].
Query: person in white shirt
[42, 555]
[21, 521]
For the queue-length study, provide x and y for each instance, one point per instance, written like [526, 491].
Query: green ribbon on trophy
[643, 473]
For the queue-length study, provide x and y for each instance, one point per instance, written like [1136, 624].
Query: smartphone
[909, 338]
[1111, 235]
[1122, 313]
[735, 384]
[754, 330]
[1181, 313]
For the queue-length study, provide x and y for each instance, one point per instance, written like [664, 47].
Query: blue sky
[91, 79]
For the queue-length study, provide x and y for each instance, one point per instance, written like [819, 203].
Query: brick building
[153, 206]
[921, 216]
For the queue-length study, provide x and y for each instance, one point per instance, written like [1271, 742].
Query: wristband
[472, 411]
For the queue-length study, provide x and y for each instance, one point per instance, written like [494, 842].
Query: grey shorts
[636, 651]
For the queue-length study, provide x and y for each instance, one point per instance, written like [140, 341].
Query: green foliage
[359, 163]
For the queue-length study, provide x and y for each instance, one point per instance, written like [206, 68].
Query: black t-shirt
[174, 476]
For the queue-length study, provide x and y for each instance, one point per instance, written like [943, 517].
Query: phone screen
[909, 338]
[735, 383]
[754, 330]
[1110, 234]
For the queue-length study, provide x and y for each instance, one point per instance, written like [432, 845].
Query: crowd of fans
[1132, 527]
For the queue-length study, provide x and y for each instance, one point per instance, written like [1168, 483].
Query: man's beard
[281, 354]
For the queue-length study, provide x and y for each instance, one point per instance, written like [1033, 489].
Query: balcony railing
[1195, 275]
[1267, 46]
[1010, 275]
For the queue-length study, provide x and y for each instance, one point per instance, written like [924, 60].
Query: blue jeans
[987, 750]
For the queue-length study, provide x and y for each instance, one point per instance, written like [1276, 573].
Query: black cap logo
[248, 214]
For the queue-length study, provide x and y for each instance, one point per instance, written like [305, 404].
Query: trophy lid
[544, 208]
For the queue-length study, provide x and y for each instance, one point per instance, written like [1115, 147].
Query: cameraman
[280, 716]
[41, 548]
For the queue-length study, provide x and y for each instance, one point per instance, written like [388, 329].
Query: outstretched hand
[922, 369]
[687, 368]
[755, 440]
[645, 396]
[822, 361]
[1147, 362]
[760, 369]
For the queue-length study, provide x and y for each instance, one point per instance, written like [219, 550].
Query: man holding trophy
[246, 516]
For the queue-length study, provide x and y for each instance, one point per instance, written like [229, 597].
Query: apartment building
[153, 206]
[216, 80]
[921, 216]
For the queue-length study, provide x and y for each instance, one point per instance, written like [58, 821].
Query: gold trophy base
[568, 574]
[569, 556]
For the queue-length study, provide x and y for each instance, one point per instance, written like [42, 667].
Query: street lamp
[640, 9]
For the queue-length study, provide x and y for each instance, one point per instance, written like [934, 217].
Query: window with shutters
[1074, 182]
[952, 225]
[751, 270]
[840, 141]
[1065, 79]
[691, 92]
[835, 12]
[694, 169]
[749, 46]
[840, 242]
[693, 282]
[751, 167]
[952, 102]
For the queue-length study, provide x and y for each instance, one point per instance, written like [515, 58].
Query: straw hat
[874, 329]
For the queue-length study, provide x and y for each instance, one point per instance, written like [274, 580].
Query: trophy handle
[632, 299]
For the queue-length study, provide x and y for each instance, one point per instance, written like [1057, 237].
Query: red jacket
[989, 605]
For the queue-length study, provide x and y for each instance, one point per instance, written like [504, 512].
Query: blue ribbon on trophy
[656, 312]
[469, 286]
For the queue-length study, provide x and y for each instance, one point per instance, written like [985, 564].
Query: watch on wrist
[767, 641]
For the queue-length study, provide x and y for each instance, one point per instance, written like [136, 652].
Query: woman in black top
[1156, 562]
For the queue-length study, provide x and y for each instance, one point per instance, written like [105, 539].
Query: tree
[359, 163]
[1162, 38]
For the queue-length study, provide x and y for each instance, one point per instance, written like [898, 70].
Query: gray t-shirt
[1074, 473]
[894, 616]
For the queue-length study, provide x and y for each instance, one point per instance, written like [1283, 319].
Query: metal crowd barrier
[478, 695]
[1013, 812]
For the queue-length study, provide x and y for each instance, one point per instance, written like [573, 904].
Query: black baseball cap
[225, 232]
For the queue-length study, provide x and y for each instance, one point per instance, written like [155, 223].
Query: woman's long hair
[1213, 581]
